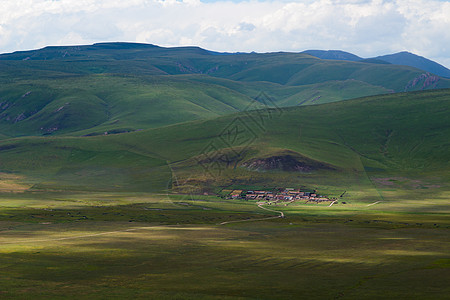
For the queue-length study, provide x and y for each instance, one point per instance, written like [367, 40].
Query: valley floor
[149, 246]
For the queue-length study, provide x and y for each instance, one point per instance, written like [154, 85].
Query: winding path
[260, 205]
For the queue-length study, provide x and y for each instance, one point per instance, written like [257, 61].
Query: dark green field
[116, 159]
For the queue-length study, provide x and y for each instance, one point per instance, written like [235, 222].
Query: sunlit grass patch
[95, 245]
[12, 183]
[213, 261]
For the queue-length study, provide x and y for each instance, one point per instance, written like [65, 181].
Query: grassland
[125, 215]
[120, 87]
[150, 246]
[96, 104]
[377, 143]
[363, 141]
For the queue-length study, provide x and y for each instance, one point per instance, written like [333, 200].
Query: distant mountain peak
[405, 58]
[413, 60]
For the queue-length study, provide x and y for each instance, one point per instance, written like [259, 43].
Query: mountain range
[401, 58]
[122, 87]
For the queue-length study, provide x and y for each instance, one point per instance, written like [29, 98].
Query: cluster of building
[279, 195]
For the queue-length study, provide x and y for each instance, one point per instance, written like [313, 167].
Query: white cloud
[364, 27]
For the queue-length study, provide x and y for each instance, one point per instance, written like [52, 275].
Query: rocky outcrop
[19, 118]
[26, 94]
[425, 80]
[288, 161]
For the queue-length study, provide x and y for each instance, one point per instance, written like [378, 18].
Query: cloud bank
[364, 27]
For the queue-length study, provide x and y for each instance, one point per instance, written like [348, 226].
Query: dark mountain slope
[413, 60]
[402, 58]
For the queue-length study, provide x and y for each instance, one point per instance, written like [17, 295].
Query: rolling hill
[337, 146]
[107, 103]
[123, 87]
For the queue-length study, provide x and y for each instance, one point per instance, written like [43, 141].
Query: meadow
[158, 246]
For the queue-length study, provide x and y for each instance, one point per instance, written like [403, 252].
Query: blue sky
[364, 27]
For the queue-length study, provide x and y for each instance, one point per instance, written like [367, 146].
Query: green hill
[363, 145]
[143, 59]
[122, 87]
[402, 135]
[109, 103]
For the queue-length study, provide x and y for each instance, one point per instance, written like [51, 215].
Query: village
[281, 196]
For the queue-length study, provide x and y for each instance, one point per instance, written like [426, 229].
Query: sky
[366, 28]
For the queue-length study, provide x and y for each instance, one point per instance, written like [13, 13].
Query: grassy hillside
[100, 103]
[94, 104]
[142, 59]
[120, 87]
[363, 140]
[366, 144]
